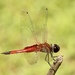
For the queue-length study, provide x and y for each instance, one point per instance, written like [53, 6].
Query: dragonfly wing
[36, 31]
[41, 25]
[27, 29]
[32, 58]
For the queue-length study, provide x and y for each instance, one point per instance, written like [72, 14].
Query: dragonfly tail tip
[6, 53]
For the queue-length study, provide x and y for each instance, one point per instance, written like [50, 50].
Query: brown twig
[55, 65]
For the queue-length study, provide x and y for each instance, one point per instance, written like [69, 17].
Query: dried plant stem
[55, 65]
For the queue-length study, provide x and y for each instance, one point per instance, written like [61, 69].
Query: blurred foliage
[61, 30]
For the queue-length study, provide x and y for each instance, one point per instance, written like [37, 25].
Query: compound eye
[56, 48]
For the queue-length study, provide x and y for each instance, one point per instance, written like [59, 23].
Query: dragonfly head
[55, 48]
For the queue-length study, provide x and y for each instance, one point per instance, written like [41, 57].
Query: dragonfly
[44, 47]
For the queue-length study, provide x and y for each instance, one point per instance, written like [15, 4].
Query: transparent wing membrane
[27, 29]
[40, 23]
[34, 31]
[32, 58]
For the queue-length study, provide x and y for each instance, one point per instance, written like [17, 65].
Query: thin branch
[55, 65]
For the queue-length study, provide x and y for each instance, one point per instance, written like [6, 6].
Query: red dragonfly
[39, 47]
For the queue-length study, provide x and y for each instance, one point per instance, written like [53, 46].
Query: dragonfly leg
[53, 57]
[47, 59]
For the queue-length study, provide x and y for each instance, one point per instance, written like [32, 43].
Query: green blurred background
[61, 30]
